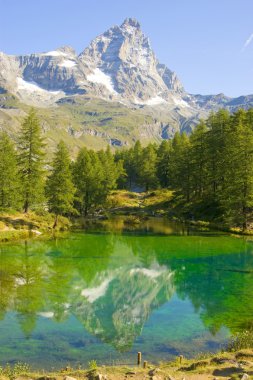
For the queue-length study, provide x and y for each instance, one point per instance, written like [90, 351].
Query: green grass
[18, 226]
[12, 235]
[156, 201]
[224, 364]
[85, 121]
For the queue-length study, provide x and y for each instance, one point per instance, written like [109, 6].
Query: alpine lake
[110, 291]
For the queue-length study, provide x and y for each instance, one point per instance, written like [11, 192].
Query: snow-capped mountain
[118, 67]
[122, 59]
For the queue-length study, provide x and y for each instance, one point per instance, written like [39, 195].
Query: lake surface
[108, 293]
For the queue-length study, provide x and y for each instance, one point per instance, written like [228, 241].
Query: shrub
[93, 365]
[16, 370]
[241, 341]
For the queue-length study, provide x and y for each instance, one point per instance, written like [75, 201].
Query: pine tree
[218, 126]
[60, 189]
[164, 155]
[198, 160]
[136, 162]
[9, 179]
[129, 166]
[88, 174]
[236, 196]
[181, 166]
[147, 168]
[110, 170]
[121, 160]
[30, 161]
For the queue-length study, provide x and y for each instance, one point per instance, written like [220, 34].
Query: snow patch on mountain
[152, 101]
[55, 53]
[180, 102]
[32, 87]
[99, 77]
[155, 100]
[67, 63]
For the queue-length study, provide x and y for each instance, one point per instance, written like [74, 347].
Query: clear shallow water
[156, 288]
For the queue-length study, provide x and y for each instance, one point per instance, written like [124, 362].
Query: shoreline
[136, 207]
[13, 235]
[225, 365]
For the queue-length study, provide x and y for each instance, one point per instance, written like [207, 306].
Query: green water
[157, 288]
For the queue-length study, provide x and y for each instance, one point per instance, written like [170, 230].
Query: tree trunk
[26, 206]
[86, 207]
[245, 221]
[55, 221]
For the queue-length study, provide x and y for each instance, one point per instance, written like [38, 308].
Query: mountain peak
[130, 21]
[124, 55]
[67, 49]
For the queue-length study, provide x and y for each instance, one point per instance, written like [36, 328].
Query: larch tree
[31, 161]
[9, 178]
[60, 189]
[236, 196]
[87, 172]
[164, 155]
[147, 168]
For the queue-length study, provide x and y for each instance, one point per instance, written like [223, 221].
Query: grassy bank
[155, 202]
[136, 206]
[165, 203]
[228, 365]
[16, 226]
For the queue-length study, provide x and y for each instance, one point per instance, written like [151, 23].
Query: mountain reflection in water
[157, 289]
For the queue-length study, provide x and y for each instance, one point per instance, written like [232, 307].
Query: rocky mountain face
[118, 67]
[124, 55]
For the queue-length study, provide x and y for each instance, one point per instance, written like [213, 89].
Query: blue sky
[207, 43]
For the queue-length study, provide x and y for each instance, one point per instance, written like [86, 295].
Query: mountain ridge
[118, 67]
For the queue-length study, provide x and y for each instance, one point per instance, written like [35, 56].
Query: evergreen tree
[121, 160]
[30, 161]
[198, 160]
[218, 128]
[147, 168]
[181, 166]
[136, 159]
[110, 171]
[60, 189]
[88, 177]
[9, 179]
[236, 196]
[164, 155]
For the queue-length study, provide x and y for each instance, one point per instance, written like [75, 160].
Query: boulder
[69, 378]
